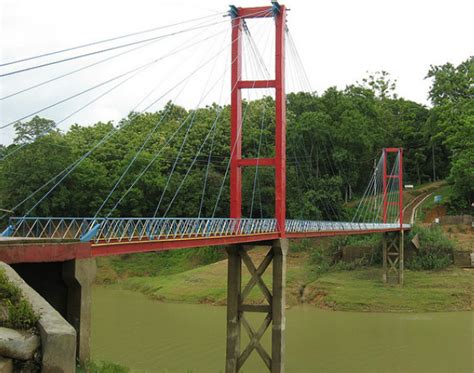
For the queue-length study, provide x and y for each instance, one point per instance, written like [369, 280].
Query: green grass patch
[102, 367]
[206, 284]
[363, 290]
[111, 269]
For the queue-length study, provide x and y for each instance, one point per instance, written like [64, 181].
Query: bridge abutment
[393, 258]
[274, 307]
[78, 277]
[66, 286]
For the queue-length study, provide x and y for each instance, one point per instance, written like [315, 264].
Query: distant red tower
[399, 176]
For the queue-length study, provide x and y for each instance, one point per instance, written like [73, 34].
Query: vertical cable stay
[145, 169]
[370, 207]
[148, 137]
[194, 113]
[239, 132]
[260, 68]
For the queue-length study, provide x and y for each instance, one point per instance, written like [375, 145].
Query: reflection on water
[149, 336]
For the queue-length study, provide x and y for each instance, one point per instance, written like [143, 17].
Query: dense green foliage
[452, 123]
[332, 142]
[435, 251]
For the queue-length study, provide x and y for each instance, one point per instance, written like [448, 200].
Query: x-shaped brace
[254, 343]
[256, 274]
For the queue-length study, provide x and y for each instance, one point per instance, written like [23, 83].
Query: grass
[102, 367]
[349, 290]
[112, 269]
[207, 284]
[363, 290]
[15, 311]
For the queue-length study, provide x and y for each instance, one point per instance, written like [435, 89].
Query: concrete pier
[67, 287]
[393, 258]
[274, 306]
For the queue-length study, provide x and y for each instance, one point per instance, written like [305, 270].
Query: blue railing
[130, 229]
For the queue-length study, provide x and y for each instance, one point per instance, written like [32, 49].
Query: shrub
[435, 251]
[320, 261]
[20, 314]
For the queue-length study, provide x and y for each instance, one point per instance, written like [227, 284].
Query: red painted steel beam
[256, 12]
[400, 188]
[340, 233]
[42, 251]
[164, 245]
[384, 184]
[250, 84]
[280, 122]
[256, 162]
[236, 121]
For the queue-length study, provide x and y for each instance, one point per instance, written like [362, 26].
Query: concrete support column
[393, 258]
[234, 283]
[274, 307]
[78, 276]
[280, 250]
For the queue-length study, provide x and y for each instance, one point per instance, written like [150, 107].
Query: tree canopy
[175, 162]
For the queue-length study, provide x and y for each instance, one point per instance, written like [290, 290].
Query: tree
[35, 128]
[452, 117]
[381, 84]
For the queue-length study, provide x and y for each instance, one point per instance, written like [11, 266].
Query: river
[150, 336]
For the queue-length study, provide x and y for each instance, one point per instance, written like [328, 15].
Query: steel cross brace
[393, 258]
[274, 304]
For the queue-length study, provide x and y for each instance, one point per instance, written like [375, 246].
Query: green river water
[150, 336]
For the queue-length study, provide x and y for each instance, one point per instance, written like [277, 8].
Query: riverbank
[360, 289]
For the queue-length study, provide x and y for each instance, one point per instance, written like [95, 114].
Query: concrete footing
[393, 258]
[274, 308]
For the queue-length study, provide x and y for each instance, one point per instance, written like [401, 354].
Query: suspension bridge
[34, 239]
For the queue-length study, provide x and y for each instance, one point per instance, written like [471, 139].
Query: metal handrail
[132, 229]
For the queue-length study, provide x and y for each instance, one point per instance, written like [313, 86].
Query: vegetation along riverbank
[316, 275]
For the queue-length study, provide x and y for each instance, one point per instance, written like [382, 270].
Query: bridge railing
[118, 230]
[55, 228]
[129, 229]
[132, 229]
[306, 226]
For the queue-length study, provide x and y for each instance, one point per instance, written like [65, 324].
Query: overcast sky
[339, 41]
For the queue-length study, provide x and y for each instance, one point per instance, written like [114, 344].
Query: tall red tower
[278, 12]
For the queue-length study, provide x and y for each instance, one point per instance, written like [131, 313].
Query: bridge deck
[59, 240]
